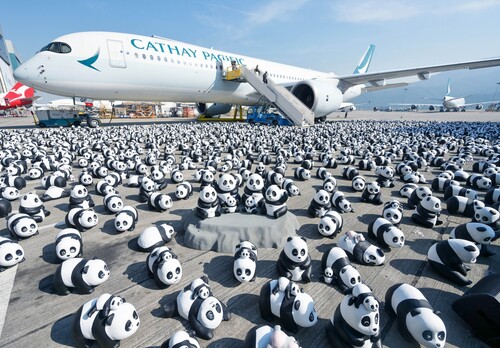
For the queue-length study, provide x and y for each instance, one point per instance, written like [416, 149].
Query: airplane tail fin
[364, 63]
[20, 91]
[449, 88]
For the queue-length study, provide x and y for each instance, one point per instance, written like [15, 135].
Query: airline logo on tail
[365, 61]
[19, 95]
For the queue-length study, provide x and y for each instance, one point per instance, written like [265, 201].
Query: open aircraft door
[116, 55]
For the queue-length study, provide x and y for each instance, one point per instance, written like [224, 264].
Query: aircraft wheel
[93, 122]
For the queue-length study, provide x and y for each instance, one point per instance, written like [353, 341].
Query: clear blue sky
[326, 35]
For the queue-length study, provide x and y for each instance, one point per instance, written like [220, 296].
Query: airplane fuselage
[452, 103]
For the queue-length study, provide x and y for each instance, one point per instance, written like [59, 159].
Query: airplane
[18, 96]
[111, 66]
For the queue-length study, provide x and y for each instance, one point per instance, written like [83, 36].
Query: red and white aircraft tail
[19, 95]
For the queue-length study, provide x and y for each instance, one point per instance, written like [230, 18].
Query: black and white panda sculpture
[356, 323]
[338, 269]
[254, 187]
[330, 184]
[81, 219]
[372, 193]
[160, 202]
[69, 244]
[340, 202]
[80, 275]
[488, 216]
[476, 232]
[164, 266]
[463, 205]
[196, 304]
[330, 224]
[117, 321]
[275, 202]
[417, 320]
[126, 219]
[113, 203]
[182, 339]
[427, 212]
[407, 189]
[146, 188]
[184, 190]
[418, 195]
[32, 205]
[301, 174]
[448, 257]
[291, 188]
[80, 198]
[393, 211]
[11, 253]
[294, 261]
[5, 207]
[358, 183]
[359, 250]
[268, 337]
[245, 262]
[320, 204]
[281, 298]
[21, 226]
[386, 234]
[54, 192]
[208, 204]
[155, 236]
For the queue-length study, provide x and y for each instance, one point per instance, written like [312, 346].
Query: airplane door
[116, 56]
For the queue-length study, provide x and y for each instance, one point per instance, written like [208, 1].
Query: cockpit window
[57, 47]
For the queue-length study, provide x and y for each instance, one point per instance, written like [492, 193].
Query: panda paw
[439, 222]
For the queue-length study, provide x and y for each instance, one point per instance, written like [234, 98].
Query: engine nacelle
[209, 109]
[479, 107]
[321, 96]
[432, 108]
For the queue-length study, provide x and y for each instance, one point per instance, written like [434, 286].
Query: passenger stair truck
[289, 105]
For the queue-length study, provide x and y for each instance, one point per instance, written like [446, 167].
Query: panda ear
[289, 239]
[470, 248]
[85, 270]
[204, 278]
[109, 319]
[436, 312]
[296, 305]
[304, 239]
[220, 175]
[415, 312]
[351, 301]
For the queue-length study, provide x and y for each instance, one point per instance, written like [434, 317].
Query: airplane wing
[378, 78]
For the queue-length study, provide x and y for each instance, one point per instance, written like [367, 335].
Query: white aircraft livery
[117, 66]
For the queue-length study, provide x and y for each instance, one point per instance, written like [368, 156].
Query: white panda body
[181, 339]
[22, 226]
[126, 219]
[345, 275]
[113, 203]
[69, 244]
[245, 262]
[11, 253]
[155, 236]
[476, 232]
[80, 274]
[81, 219]
[386, 233]
[275, 201]
[165, 266]
[330, 224]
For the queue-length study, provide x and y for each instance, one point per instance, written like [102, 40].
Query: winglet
[449, 88]
[364, 63]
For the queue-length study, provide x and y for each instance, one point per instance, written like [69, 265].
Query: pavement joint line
[7, 278]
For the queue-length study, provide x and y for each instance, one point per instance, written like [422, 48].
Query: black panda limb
[447, 272]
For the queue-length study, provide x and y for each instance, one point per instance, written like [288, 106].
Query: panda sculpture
[184, 190]
[80, 198]
[176, 176]
[182, 339]
[196, 304]
[340, 202]
[338, 269]
[81, 219]
[160, 202]
[79, 275]
[275, 202]
[417, 320]
[479, 182]
[320, 204]
[32, 205]
[353, 324]
[281, 298]
[54, 192]
[463, 205]
[21, 226]
[385, 176]
[164, 266]
[359, 250]
[102, 188]
[372, 193]
[9, 193]
[146, 188]
[330, 184]
[291, 188]
[419, 194]
[126, 219]
[476, 232]
[245, 262]
[155, 236]
[294, 261]
[5, 207]
[264, 336]
[69, 244]
[113, 203]
[254, 187]
[407, 189]
[386, 234]
[393, 211]
[301, 174]
[358, 183]
[208, 204]
[107, 327]
[488, 216]
[330, 224]
[11, 253]
[349, 173]
[427, 212]
[492, 196]
[448, 257]
[250, 205]
[227, 186]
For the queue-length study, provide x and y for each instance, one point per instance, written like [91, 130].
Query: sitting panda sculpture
[372, 193]
[330, 224]
[208, 204]
[359, 250]
[164, 266]
[155, 236]
[126, 219]
[275, 200]
[417, 320]
[338, 269]
[393, 211]
[92, 325]
[80, 275]
[32, 205]
[245, 262]
[69, 244]
[197, 304]
[427, 212]
[448, 257]
[356, 320]
[320, 204]
[11, 253]
[281, 298]
[294, 261]
[80, 198]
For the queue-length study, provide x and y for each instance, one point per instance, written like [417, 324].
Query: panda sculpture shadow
[239, 305]
[134, 245]
[64, 207]
[408, 266]
[420, 246]
[135, 198]
[368, 218]
[49, 254]
[181, 212]
[267, 269]
[213, 270]
[109, 228]
[226, 342]
[61, 331]
[324, 248]
[138, 273]
[160, 313]
[309, 231]
[143, 207]
[47, 285]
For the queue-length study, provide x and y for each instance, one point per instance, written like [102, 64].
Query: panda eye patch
[32, 226]
[128, 325]
[210, 315]
[62, 252]
[8, 257]
[365, 321]
[89, 219]
[487, 239]
[353, 281]
[427, 335]
[295, 252]
[72, 249]
[239, 272]
[170, 275]
[302, 252]
[395, 239]
[24, 229]
[441, 335]
[247, 272]
[177, 270]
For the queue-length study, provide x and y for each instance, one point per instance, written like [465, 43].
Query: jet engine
[479, 107]
[209, 109]
[321, 96]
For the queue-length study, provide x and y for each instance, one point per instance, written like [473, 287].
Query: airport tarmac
[36, 317]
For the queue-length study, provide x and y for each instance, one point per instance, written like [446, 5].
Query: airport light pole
[404, 96]
[495, 96]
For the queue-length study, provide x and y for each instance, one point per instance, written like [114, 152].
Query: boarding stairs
[289, 105]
